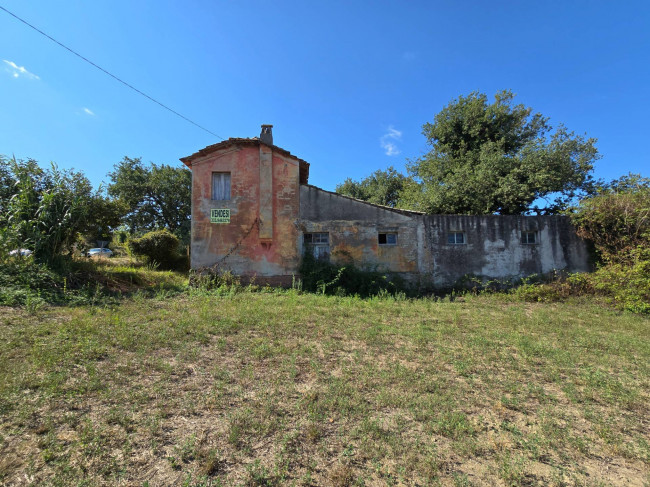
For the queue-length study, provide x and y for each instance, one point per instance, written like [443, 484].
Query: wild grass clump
[319, 276]
[28, 283]
[22, 280]
[626, 285]
[214, 281]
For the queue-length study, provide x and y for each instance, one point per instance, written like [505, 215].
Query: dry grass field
[282, 388]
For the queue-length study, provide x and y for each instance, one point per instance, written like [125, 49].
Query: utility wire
[110, 74]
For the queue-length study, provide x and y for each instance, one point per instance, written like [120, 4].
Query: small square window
[456, 238]
[220, 185]
[529, 237]
[387, 238]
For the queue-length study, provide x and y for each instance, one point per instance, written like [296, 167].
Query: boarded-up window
[387, 238]
[318, 244]
[220, 185]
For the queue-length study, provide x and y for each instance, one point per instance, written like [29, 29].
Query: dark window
[317, 238]
[529, 237]
[318, 244]
[387, 239]
[456, 238]
[220, 185]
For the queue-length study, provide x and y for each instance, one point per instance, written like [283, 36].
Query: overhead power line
[110, 74]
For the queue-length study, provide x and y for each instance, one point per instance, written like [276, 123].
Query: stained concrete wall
[261, 239]
[493, 247]
[354, 226]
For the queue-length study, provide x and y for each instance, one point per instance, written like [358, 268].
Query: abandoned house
[254, 213]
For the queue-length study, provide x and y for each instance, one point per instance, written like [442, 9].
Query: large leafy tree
[498, 157]
[154, 196]
[381, 187]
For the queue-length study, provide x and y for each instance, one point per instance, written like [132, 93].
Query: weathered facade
[254, 213]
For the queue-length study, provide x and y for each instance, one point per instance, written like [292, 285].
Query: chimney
[267, 134]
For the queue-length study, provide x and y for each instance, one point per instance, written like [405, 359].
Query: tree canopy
[380, 188]
[154, 197]
[497, 157]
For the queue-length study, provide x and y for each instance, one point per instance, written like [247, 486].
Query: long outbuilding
[255, 214]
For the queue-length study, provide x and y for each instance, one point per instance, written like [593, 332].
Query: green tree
[153, 197]
[380, 188]
[498, 158]
[44, 209]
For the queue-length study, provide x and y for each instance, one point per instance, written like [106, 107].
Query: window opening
[456, 238]
[318, 244]
[387, 238]
[220, 185]
[529, 237]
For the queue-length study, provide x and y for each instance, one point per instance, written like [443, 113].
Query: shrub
[617, 220]
[159, 247]
[23, 278]
[326, 278]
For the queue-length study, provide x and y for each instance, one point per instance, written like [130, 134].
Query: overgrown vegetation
[44, 210]
[160, 247]
[33, 285]
[153, 197]
[617, 222]
[323, 277]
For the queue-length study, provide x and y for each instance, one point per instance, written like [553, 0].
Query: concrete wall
[354, 226]
[264, 236]
[493, 247]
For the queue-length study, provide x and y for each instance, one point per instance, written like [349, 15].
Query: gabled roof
[253, 141]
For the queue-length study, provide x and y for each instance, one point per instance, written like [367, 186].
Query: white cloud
[388, 141]
[88, 111]
[17, 71]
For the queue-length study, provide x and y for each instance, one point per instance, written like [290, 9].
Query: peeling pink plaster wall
[275, 256]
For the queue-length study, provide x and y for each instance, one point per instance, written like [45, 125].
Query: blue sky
[347, 85]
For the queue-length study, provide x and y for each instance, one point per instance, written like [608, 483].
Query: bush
[616, 221]
[159, 247]
[325, 278]
[23, 278]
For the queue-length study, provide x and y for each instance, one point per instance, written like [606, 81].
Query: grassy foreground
[287, 389]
